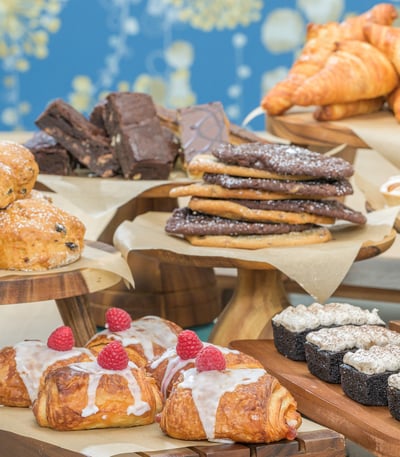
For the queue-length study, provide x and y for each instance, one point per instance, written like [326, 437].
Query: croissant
[167, 368]
[146, 338]
[393, 100]
[369, 70]
[386, 39]
[320, 43]
[85, 396]
[338, 111]
[205, 405]
[24, 366]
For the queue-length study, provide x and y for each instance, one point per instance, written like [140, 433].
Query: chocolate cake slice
[137, 137]
[52, 157]
[86, 142]
[393, 395]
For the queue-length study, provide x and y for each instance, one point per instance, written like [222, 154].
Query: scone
[108, 392]
[212, 402]
[18, 172]
[167, 367]
[24, 365]
[143, 338]
[38, 236]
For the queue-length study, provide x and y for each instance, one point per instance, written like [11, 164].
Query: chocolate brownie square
[137, 137]
[393, 395]
[86, 142]
[52, 157]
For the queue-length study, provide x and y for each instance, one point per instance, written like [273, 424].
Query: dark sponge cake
[325, 348]
[291, 326]
[365, 373]
[393, 395]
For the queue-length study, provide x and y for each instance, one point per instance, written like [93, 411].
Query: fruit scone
[24, 365]
[110, 391]
[143, 338]
[258, 195]
[167, 367]
[213, 402]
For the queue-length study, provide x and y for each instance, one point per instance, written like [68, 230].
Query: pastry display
[359, 50]
[38, 236]
[108, 392]
[167, 367]
[143, 338]
[393, 395]
[206, 400]
[291, 326]
[24, 365]
[325, 348]
[365, 372]
[18, 172]
[262, 195]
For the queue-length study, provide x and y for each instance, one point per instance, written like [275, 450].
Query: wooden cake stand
[372, 427]
[259, 291]
[69, 290]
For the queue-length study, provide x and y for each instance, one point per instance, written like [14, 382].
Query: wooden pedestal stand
[68, 289]
[258, 294]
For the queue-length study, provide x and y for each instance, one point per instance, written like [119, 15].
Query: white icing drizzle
[352, 336]
[144, 332]
[376, 359]
[33, 357]
[209, 386]
[303, 317]
[95, 372]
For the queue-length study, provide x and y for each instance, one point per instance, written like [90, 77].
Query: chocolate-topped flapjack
[203, 230]
[318, 188]
[202, 128]
[291, 211]
[284, 160]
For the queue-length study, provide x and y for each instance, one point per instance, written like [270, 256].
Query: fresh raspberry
[117, 319]
[113, 357]
[188, 344]
[210, 358]
[61, 339]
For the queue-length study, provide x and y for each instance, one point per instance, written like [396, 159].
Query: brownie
[52, 157]
[325, 365]
[290, 344]
[365, 372]
[202, 128]
[393, 395]
[137, 137]
[96, 117]
[82, 139]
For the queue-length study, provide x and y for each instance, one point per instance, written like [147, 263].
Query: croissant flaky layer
[253, 407]
[83, 396]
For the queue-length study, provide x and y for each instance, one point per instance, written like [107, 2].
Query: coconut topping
[376, 359]
[352, 336]
[302, 317]
[394, 381]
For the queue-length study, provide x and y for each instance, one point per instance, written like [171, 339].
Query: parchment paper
[102, 443]
[319, 268]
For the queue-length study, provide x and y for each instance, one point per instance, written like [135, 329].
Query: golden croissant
[85, 396]
[320, 43]
[240, 405]
[338, 111]
[387, 40]
[393, 100]
[368, 71]
[24, 366]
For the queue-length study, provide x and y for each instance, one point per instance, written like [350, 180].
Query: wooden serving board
[371, 427]
[302, 128]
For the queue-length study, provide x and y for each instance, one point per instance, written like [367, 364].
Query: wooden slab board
[302, 128]
[371, 427]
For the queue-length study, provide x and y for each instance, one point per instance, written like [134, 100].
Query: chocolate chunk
[329, 208]
[96, 117]
[52, 157]
[86, 142]
[136, 136]
[284, 160]
[202, 127]
[317, 188]
[184, 221]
